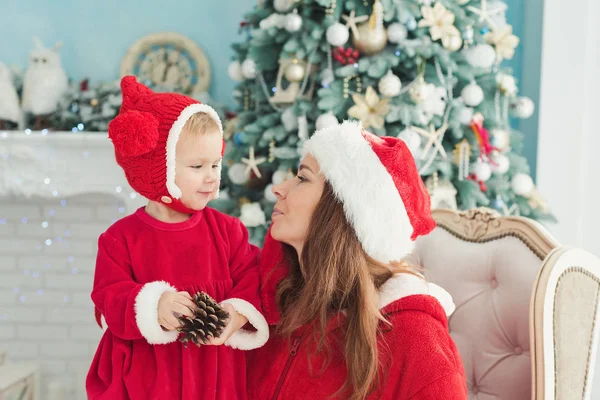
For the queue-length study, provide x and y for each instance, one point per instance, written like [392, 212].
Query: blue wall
[526, 18]
[96, 35]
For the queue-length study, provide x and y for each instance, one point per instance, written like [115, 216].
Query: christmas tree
[428, 72]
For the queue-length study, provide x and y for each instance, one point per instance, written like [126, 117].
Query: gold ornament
[461, 150]
[371, 36]
[94, 102]
[369, 109]
[244, 200]
[294, 71]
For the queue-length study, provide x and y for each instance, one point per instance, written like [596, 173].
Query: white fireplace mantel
[61, 164]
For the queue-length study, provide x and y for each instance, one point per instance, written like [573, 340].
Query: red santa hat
[377, 181]
[145, 135]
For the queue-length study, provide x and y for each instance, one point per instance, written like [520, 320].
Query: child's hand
[235, 322]
[172, 304]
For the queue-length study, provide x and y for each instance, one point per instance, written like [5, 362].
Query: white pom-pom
[269, 196]
[472, 94]
[500, 138]
[500, 164]
[522, 184]
[481, 56]
[293, 22]
[326, 120]
[507, 84]
[397, 33]
[523, 107]
[235, 71]
[337, 34]
[237, 174]
[279, 176]
[482, 170]
[289, 120]
[465, 115]
[390, 85]
[252, 215]
[412, 140]
[249, 69]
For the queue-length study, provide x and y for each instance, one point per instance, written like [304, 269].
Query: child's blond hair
[200, 124]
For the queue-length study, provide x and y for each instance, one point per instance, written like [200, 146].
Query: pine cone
[208, 322]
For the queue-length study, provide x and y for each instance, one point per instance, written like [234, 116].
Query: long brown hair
[335, 274]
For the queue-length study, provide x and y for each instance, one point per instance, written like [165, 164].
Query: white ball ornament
[293, 22]
[289, 120]
[481, 56]
[454, 43]
[390, 85]
[500, 164]
[412, 140]
[522, 184]
[397, 33]
[237, 174]
[523, 107]
[500, 138]
[472, 94]
[235, 71]
[507, 84]
[482, 170]
[325, 121]
[249, 69]
[465, 116]
[337, 34]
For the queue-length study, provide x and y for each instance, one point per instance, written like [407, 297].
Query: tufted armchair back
[521, 302]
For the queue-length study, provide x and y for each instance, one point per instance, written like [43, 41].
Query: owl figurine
[45, 81]
[10, 111]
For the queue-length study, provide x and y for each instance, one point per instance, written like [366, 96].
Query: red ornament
[84, 85]
[230, 115]
[482, 185]
[243, 24]
[482, 135]
[345, 56]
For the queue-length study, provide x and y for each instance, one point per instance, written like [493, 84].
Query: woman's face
[297, 199]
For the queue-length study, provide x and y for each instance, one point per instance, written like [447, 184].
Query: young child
[150, 263]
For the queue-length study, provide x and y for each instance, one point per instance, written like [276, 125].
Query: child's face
[197, 167]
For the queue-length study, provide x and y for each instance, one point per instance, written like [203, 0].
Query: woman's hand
[235, 322]
[171, 305]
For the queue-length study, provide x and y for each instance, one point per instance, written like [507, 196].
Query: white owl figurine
[45, 80]
[9, 100]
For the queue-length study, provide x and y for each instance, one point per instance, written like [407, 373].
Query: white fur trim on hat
[245, 340]
[372, 203]
[146, 313]
[404, 285]
[173, 138]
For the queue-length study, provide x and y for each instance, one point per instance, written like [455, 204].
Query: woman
[352, 321]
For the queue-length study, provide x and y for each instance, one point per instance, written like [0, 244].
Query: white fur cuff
[245, 340]
[146, 313]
